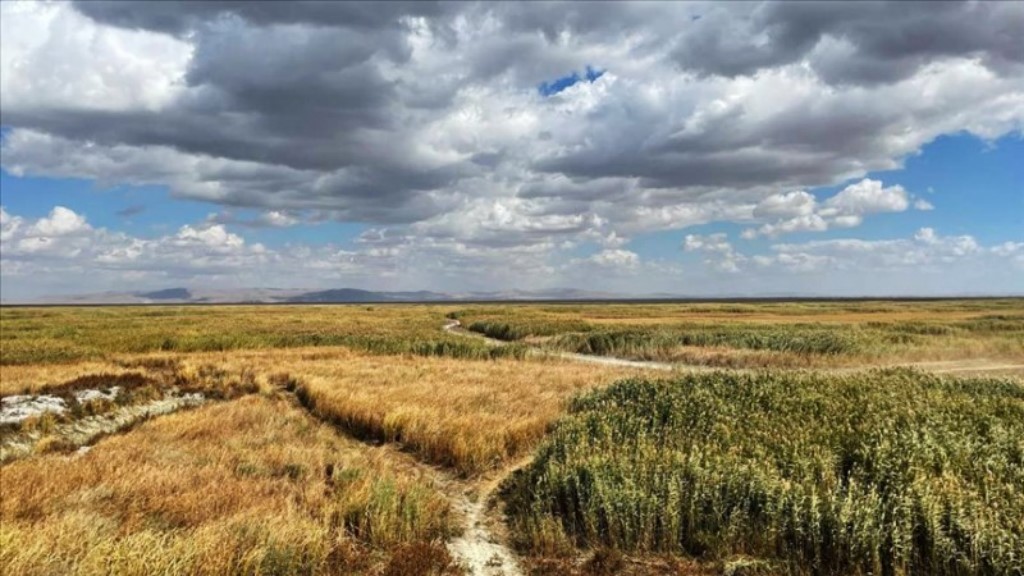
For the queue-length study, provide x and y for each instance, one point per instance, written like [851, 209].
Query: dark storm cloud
[211, 133]
[284, 99]
[177, 17]
[251, 103]
[879, 41]
[397, 112]
[594, 18]
[800, 145]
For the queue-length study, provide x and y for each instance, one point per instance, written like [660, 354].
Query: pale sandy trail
[480, 549]
[625, 363]
[969, 366]
[455, 327]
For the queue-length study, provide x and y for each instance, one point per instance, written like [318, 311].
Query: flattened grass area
[887, 472]
[781, 334]
[251, 486]
[62, 335]
[468, 415]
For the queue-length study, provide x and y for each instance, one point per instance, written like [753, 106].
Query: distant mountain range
[355, 295]
[332, 296]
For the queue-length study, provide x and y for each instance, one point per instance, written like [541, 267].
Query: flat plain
[810, 437]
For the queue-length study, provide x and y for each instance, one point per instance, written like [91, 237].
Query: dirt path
[455, 327]
[966, 367]
[623, 362]
[481, 548]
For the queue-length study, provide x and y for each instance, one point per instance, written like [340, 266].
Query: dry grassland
[248, 475]
[249, 486]
[351, 439]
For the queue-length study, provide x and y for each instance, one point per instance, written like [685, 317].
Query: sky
[727, 149]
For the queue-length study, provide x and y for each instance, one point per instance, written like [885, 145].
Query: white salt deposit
[14, 409]
[86, 430]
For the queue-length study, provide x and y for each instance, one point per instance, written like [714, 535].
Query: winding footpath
[479, 550]
[455, 327]
[964, 367]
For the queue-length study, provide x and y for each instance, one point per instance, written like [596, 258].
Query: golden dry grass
[62, 335]
[240, 486]
[237, 487]
[885, 330]
[469, 415]
[36, 378]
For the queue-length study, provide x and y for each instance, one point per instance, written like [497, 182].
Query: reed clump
[884, 472]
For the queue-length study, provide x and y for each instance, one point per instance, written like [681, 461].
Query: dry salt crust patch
[85, 430]
[15, 409]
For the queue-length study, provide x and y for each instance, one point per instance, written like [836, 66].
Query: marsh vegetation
[367, 440]
[885, 472]
[770, 335]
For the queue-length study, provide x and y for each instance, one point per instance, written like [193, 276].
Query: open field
[783, 334]
[370, 440]
[61, 335]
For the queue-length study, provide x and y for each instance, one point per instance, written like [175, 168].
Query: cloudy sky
[797, 148]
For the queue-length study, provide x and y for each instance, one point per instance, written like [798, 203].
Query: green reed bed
[792, 333]
[884, 472]
[810, 340]
[661, 343]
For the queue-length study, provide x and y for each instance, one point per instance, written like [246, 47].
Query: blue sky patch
[557, 85]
